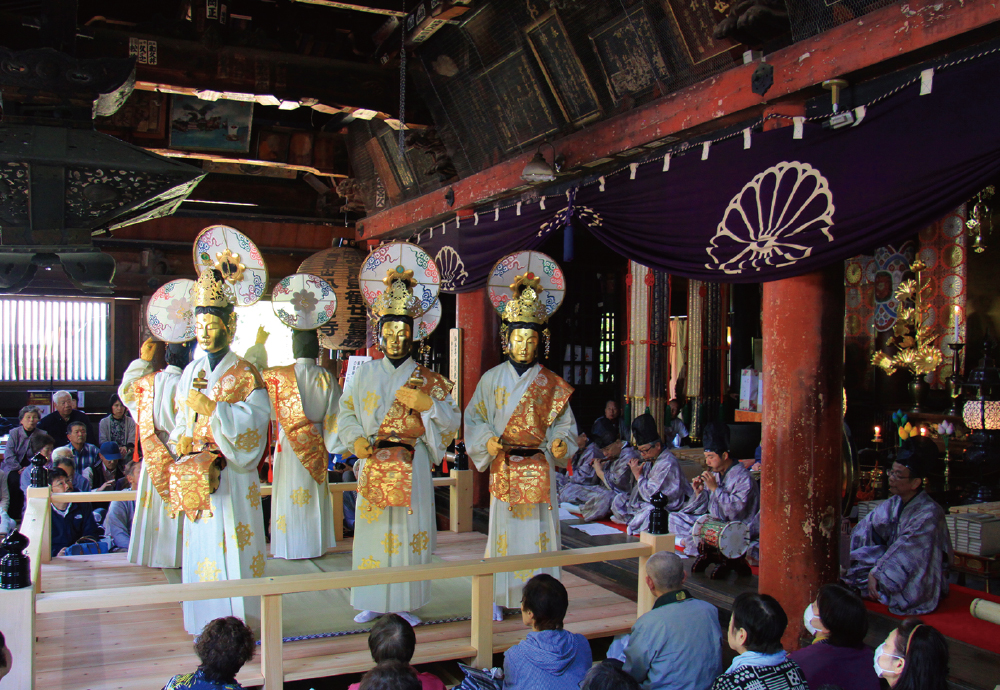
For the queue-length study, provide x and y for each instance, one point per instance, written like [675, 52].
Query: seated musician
[901, 551]
[726, 491]
[602, 474]
[656, 470]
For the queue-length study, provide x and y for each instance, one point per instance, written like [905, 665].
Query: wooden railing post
[482, 620]
[656, 542]
[17, 612]
[461, 501]
[46, 545]
[338, 514]
[271, 662]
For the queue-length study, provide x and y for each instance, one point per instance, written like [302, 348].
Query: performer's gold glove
[183, 446]
[559, 449]
[262, 335]
[200, 403]
[493, 446]
[362, 448]
[147, 353]
[414, 399]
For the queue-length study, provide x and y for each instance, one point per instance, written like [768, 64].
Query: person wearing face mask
[655, 471]
[838, 656]
[913, 657]
[901, 552]
[518, 425]
[399, 417]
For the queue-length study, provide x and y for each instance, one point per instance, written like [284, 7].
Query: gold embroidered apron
[154, 452]
[528, 480]
[302, 434]
[387, 476]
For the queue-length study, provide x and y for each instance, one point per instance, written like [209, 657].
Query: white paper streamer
[797, 127]
[541, 203]
[476, 221]
[633, 167]
[518, 208]
[746, 138]
[859, 115]
[496, 213]
[458, 222]
[704, 150]
[926, 81]
[601, 181]
[666, 163]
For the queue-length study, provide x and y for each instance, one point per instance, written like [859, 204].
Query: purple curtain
[781, 208]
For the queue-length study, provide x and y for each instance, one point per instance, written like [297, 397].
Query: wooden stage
[141, 648]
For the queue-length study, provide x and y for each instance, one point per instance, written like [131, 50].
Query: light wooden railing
[270, 589]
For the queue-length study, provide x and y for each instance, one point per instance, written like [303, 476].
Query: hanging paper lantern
[340, 266]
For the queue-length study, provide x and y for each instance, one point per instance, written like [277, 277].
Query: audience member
[392, 639]
[118, 523]
[40, 443]
[677, 645]
[6, 523]
[223, 647]
[608, 675]
[838, 655]
[549, 657]
[17, 451]
[63, 459]
[390, 675]
[612, 412]
[755, 631]
[913, 657]
[5, 657]
[56, 423]
[118, 428]
[85, 454]
[104, 475]
[676, 430]
[72, 523]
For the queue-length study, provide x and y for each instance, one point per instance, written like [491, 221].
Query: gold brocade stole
[527, 480]
[387, 476]
[302, 434]
[154, 451]
[235, 385]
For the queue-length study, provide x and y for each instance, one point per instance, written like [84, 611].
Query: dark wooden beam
[876, 43]
[390, 8]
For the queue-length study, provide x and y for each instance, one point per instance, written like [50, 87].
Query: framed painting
[198, 125]
[695, 21]
[563, 70]
[630, 55]
[517, 103]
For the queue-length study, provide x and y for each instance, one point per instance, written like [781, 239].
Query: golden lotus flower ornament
[229, 265]
[912, 341]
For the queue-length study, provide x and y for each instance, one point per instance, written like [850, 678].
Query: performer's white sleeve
[135, 371]
[349, 427]
[564, 427]
[441, 423]
[330, 436]
[240, 429]
[478, 429]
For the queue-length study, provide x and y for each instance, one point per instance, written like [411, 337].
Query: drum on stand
[731, 539]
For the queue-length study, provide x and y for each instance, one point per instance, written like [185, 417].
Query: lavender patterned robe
[662, 475]
[736, 500]
[909, 550]
[574, 489]
[595, 497]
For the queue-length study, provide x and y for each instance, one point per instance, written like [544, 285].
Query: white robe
[389, 537]
[301, 509]
[528, 528]
[229, 545]
[156, 537]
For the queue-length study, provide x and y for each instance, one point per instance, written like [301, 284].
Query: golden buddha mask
[212, 332]
[396, 339]
[522, 345]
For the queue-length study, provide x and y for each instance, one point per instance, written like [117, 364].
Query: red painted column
[803, 325]
[480, 352]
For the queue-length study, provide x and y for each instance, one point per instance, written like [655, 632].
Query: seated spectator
[118, 523]
[755, 631]
[5, 658]
[608, 675]
[40, 443]
[63, 459]
[612, 413]
[105, 475]
[85, 454]
[6, 523]
[390, 675]
[913, 657]
[118, 428]
[56, 423]
[223, 647]
[838, 655]
[72, 523]
[392, 639]
[677, 645]
[676, 431]
[549, 657]
[17, 453]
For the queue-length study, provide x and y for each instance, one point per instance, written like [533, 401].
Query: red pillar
[480, 352]
[803, 323]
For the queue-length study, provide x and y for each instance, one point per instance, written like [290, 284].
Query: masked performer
[901, 552]
[149, 396]
[398, 417]
[304, 400]
[656, 472]
[517, 425]
[726, 491]
[222, 424]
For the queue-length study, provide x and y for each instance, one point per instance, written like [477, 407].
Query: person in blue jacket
[72, 523]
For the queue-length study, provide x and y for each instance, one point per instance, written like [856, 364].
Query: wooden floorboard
[131, 648]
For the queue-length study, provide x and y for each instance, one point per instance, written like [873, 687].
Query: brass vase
[918, 393]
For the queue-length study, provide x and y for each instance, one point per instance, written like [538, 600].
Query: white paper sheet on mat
[596, 529]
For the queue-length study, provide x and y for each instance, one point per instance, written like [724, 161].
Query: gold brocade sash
[302, 434]
[235, 385]
[154, 452]
[387, 476]
[191, 479]
[528, 480]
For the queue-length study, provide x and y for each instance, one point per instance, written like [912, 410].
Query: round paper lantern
[340, 266]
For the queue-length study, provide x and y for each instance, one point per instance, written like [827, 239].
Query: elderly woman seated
[224, 646]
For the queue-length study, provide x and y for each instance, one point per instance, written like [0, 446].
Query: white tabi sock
[367, 616]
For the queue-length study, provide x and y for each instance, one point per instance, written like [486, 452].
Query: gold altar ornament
[911, 345]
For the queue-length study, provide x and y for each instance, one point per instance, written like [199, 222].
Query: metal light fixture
[980, 222]
[981, 415]
[539, 170]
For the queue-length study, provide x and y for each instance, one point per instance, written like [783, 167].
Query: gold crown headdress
[398, 298]
[210, 291]
[526, 307]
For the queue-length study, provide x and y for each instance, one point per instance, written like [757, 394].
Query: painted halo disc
[303, 301]
[541, 265]
[170, 313]
[393, 256]
[426, 323]
[241, 263]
